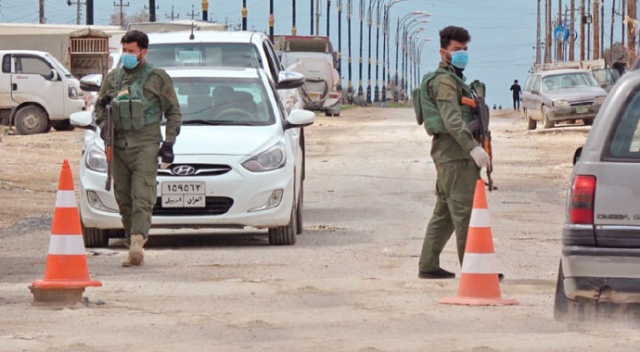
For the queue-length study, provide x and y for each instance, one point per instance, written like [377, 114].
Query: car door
[5, 84]
[288, 97]
[534, 99]
[32, 81]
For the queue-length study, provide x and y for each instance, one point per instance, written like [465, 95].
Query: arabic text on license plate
[582, 109]
[183, 194]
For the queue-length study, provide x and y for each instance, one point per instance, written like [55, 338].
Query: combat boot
[136, 251]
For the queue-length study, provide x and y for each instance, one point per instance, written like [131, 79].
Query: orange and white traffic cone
[66, 274]
[479, 284]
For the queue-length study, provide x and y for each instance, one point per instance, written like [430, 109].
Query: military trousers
[135, 186]
[455, 186]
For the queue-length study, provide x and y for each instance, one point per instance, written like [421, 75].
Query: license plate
[314, 96]
[582, 109]
[183, 194]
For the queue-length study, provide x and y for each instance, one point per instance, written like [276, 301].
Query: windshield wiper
[218, 122]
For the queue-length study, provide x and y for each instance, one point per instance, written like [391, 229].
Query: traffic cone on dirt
[479, 284]
[66, 274]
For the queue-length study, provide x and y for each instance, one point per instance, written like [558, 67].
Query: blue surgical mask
[460, 59]
[129, 61]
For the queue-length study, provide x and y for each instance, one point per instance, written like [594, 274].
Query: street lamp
[386, 49]
[407, 47]
[400, 22]
[361, 12]
[419, 60]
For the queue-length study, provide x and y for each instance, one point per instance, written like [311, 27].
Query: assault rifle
[479, 127]
[108, 144]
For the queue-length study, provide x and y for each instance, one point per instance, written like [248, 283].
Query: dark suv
[600, 264]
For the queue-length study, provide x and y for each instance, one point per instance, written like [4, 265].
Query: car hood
[225, 140]
[575, 94]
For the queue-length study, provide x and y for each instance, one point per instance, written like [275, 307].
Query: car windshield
[223, 101]
[203, 54]
[58, 66]
[568, 80]
[606, 75]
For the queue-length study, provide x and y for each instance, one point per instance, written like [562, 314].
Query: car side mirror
[83, 119]
[54, 75]
[289, 80]
[299, 118]
[535, 91]
[91, 83]
[577, 155]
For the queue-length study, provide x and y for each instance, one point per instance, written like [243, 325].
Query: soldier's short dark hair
[136, 36]
[450, 33]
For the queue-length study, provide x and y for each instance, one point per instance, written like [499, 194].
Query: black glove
[104, 101]
[166, 152]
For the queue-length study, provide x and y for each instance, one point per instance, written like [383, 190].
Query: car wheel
[328, 113]
[284, 235]
[31, 120]
[531, 123]
[94, 237]
[62, 125]
[587, 122]
[545, 117]
[299, 206]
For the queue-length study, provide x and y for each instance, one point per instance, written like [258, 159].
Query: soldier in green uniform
[139, 95]
[457, 156]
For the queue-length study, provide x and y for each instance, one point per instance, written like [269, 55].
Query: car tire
[548, 123]
[31, 119]
[62, 125]
[95, 238]
[531, 123]
[587, 122]
[299, 206]
[284, 235]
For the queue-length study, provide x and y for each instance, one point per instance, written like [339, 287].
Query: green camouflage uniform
[457, 173]
[135, 153]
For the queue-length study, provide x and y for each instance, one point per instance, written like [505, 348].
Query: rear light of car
[583, 191]
[334, 95]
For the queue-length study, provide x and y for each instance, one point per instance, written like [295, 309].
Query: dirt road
[349, 284]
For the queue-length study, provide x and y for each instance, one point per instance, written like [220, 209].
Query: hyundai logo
[183, 170]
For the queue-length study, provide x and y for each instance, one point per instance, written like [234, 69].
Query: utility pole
[311, 19]
[601, 22]
[583, 19]
[318, 17]
[547, 37]
[596, 30]
[328, 17]
[41, 11]
[623, 7]
[193, 13]
[121, 6]
[538, 46]
[89, 12]
[572, 31]
[152, 10]
[631, 35]
[78, 3]
[613, 15]
[173, 16]
[559, 41]
[293, 18]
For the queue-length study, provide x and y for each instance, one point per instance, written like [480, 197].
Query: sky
[503, 32]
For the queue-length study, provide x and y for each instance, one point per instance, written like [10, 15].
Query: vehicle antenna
[192, 37]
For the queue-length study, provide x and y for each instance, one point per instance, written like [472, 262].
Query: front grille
[195, 170]
[582, 103]
[214, 206]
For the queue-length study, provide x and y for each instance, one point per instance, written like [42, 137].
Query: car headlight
[96, 160]
[271, 159]
[73, 92]
[561, 104]
[599, 100]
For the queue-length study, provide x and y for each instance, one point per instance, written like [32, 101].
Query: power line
[121, 6]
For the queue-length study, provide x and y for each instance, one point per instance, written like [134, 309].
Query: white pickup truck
[37, 92]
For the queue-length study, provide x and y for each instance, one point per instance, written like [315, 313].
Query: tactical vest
[424, 102]
[132, 111]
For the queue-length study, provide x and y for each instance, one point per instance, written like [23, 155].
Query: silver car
[600, 265]
[561, 95]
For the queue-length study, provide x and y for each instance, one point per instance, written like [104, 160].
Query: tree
[140, 16]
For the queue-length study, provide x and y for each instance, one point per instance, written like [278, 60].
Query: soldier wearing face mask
[139, 95]
[457, 156]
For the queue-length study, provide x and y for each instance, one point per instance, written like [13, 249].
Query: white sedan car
[238, 161]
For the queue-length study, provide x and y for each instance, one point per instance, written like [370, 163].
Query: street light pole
[386, 48]
[376, 89]
[244, 15]
[369, 22]
[272, 20]
[361, 12]
[311, 21]
[340, 45]
[398, 25]
[293, 18]
[328, 17]
[349, 13]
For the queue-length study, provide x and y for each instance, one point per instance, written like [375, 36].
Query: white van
[37, 92]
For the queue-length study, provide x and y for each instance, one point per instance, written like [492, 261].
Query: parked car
[238, 161]
[561, 95]
[601, 233]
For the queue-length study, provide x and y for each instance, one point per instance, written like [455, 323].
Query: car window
[624, 142]
[528, 85]
[274, 63]
[203, 54]
[568, 80]
[234, 101]
[32, 65]
[536, 83]
[6, 63]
